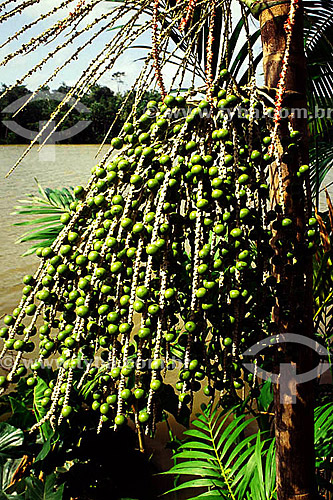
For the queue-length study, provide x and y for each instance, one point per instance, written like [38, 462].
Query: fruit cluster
[166, 255]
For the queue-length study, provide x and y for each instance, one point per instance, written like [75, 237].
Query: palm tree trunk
[293, 311]
[293, 422]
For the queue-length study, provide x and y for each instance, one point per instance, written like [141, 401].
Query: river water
[55, 167]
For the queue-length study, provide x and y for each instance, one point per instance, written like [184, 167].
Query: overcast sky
[14, 69]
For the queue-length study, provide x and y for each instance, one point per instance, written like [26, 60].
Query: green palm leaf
[216, 455]
[230, 466]
[323, 434]
[48, 207]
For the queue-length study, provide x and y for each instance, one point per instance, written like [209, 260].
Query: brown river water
[54, 167]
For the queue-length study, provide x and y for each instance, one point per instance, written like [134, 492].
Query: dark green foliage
[102, 102]
[71, 462]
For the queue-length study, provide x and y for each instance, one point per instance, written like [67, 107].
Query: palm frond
[318, 31]
[221, 459]
[323, 433]
[321, 162]
[50, 205]
[218, 458]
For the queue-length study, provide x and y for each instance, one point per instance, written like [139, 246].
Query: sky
[14, 69]
[127, 63]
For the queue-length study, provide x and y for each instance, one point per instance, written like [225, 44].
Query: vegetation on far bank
[102, 102]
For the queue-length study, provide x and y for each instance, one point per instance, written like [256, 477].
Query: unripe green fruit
[244, 212]
[151, 249]
[120, 420]
[155, 385]
[104, 409]
[62, 269]
[66, 411]
[117, 143]
[116, 267]
[47, 252]
[28, 279]
[157, 364]
[43, 295]
[111, 399]
[30, 310]
[304, 168]
[286, 222]
[169, 293]
[82, 311]
[236, 232]
[125, 394]
[224, 73]
[65, 218]
[255, 155]
[125, 327]
[193, 365]
[8, 320]
[169, 101]
[142, 292]
[190, 326]
[143, 416]
[202, 269]
[139, 393]
[144, 333]
[219, 229]
[243, 255]
[148, 152]
[208, 391]
[238, 383]
[243, 179]
[31, 381]
[95, 406]
[153, 309]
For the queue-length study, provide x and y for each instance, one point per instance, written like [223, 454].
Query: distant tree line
[102, 103]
